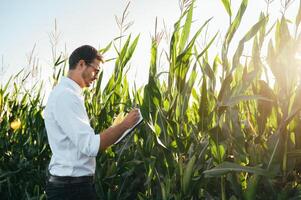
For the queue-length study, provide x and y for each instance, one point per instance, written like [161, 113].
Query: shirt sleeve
[71, 116]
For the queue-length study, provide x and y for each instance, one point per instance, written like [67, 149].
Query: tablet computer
[130, 130]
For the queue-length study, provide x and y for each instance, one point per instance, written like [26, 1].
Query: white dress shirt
[73, 143]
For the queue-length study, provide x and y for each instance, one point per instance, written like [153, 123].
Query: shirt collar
[71, 84]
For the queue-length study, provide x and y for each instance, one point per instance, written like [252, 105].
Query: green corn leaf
[237, 99]
[153, 63]
[120, 60]
[209, 72]
[250, 34]
[104, 50]
[207, 46]
[18, 73]
[58, 74]
[250, 192]
[262, 32]
[58, 61]
[184, 56]
[186, 93]
[125, 48]
[130, 51]
[228, 167]
[231, 31]
[227, 6]
[175, 37]
[225, 88]
[7, 84]
[234, 26]
[217, 150]
[204, 104]
[62, 61]
[187, 174]
[98, 83]
[186, 29]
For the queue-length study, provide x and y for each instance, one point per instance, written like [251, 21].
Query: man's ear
[81, 64]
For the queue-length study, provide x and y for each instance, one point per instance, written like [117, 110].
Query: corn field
[214, 127]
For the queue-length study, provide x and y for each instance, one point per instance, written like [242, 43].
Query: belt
[70, 179]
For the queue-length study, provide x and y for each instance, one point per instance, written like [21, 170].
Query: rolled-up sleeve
[72, 118]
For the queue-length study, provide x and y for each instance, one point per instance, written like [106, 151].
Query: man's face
[90, 73]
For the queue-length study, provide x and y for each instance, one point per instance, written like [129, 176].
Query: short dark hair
[86, 53]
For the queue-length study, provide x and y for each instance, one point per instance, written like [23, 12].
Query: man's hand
[112, 134]
[131, 119]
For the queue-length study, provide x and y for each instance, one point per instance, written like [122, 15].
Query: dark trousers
[70, 191]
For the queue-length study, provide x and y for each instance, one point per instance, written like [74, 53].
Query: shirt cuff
[95, 145]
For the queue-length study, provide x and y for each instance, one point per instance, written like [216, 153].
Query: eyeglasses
[96, 68]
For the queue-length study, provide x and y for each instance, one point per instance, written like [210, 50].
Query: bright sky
[28, 23]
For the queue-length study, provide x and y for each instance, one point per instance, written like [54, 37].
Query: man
[73, 143]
